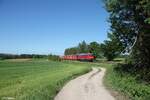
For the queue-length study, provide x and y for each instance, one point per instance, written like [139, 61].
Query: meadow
[42, 79]
[36, 79]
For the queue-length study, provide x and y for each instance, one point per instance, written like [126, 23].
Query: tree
[130, 22]
[111, 48]
[83, 47]
[71, 51]
[95, 49]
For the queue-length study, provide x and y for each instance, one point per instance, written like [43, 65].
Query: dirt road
[86, 87]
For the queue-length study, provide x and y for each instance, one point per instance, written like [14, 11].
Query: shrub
[54, 57]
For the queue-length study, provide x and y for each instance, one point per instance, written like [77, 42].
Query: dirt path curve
[86, 87]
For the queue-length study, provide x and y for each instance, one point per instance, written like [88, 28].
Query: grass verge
[126, 84]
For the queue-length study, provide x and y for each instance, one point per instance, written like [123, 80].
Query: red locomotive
[80, 57]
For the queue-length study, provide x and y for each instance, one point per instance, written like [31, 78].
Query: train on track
[79, 57]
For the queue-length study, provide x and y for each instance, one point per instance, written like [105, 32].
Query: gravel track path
[86, 87]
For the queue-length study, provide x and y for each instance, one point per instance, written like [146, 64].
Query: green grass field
[36, 79]
[42, 79]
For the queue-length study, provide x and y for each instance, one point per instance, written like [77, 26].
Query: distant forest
[17, 56]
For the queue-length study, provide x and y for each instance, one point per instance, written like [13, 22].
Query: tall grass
[126, 84]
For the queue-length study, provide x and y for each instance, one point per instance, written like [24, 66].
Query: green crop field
[36, 79]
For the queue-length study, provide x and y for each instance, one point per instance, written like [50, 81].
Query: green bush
[54, 57]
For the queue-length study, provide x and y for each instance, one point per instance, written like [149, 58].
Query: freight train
[79, 57]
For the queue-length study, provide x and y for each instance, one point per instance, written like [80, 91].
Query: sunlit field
[36, 79]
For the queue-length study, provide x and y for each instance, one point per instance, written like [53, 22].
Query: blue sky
[50, 26]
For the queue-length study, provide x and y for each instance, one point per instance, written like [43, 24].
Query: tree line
[83, 47]
[18, 56]
[50, 57]
[107, 49]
